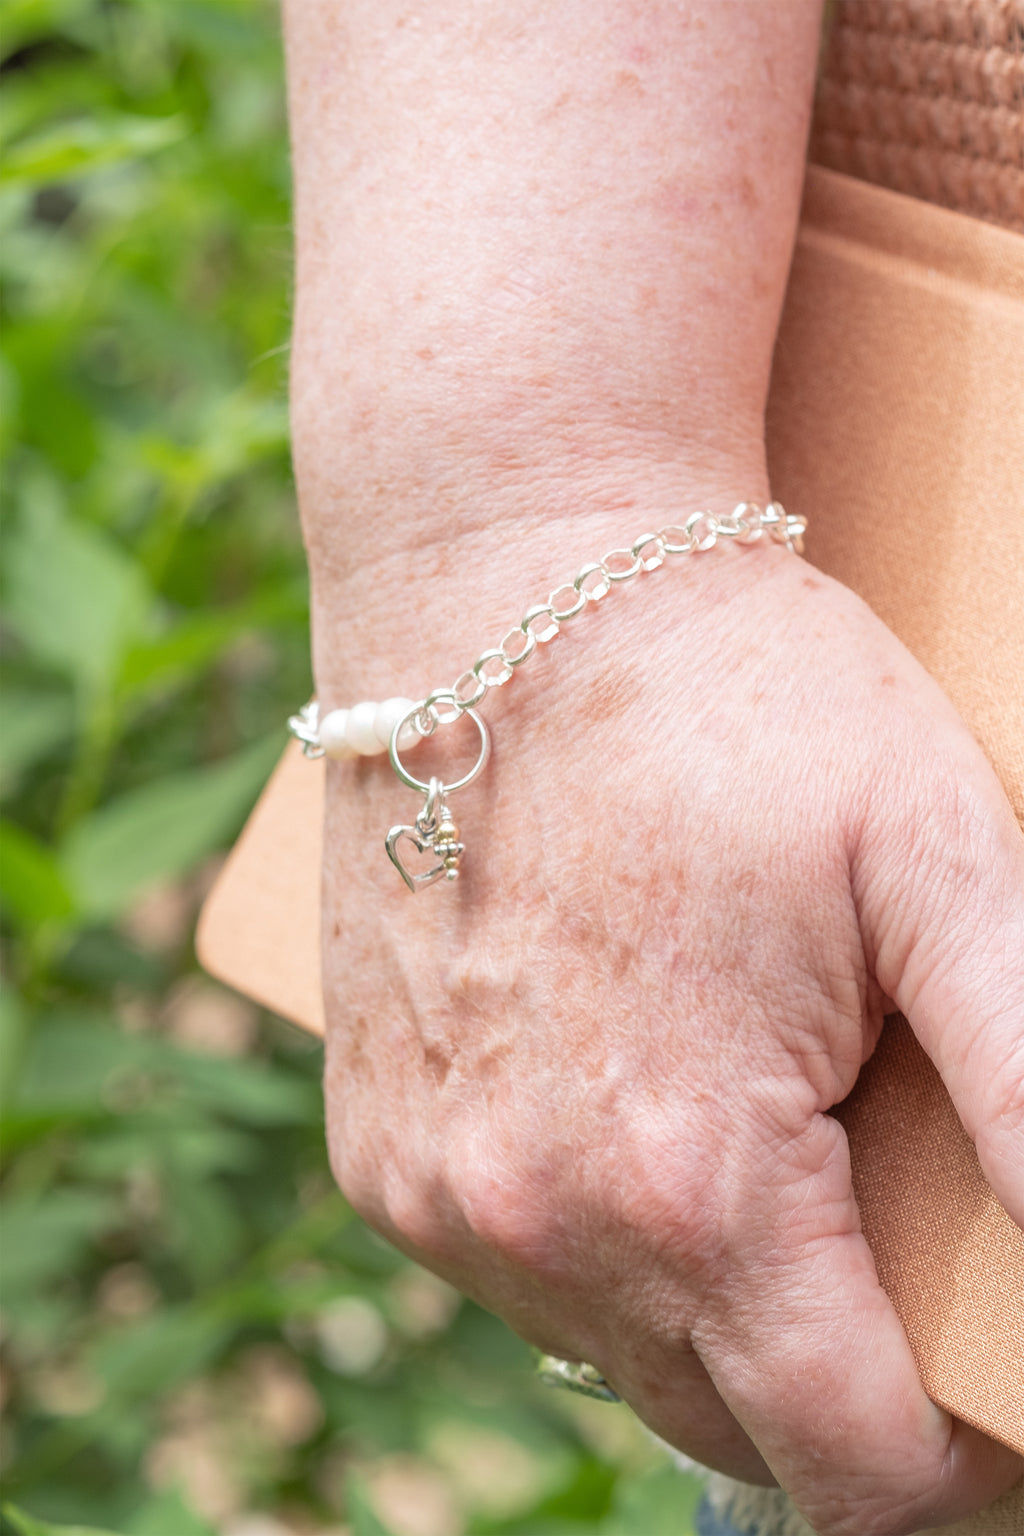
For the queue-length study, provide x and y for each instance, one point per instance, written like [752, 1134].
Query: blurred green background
[197, 1333]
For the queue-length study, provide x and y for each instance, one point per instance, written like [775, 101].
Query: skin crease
[541, 256]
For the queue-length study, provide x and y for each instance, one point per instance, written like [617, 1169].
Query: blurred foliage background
[198, 1335]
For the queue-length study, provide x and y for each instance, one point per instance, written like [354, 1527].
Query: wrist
[407, 625]
[617, 673]
[387, 446]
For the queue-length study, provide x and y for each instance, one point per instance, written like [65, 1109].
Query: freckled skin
[542, 249]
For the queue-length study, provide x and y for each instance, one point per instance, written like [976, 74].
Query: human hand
[726, 818]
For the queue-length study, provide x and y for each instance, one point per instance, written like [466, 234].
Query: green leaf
[69, 1066]
[32, 885]
[29, 21]
[168, 1515]
[203, 1226]
[243, 429]
[54, 415]
[10, 405]
[198, 640]
[163, 830]
[27, 1525]
[45, 1239]
[13, 1041]
[86, 145]
[188, 1148]
[32, 724]
[144, 1359]
[248, 1090]
[74, 595]
[99, 957]
[183, 652]
[70, 1058]
[365, 1521]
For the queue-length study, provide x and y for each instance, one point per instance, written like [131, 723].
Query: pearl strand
[365, 729]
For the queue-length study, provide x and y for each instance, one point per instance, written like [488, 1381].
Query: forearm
[541, 256]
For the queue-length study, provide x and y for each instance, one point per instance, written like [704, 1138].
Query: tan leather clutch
[896, 419]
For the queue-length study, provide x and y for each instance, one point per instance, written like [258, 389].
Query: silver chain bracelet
[398, 724]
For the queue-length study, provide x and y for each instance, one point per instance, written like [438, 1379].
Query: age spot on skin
[437, 1060]
[355, 1043]
[749, 194]
[610, 697]
[744, 882]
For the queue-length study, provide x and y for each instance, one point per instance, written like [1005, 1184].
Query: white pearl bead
[359, 731]
[332, 734]
[388, 715]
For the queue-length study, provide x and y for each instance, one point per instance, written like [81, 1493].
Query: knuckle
[505, 1210]
[355, 1176]
[605, 1214]
[655, 1197]
[391, 1194]
[415, 1215]
[680, 1210]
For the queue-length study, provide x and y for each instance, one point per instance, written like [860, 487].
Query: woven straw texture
[927, 97]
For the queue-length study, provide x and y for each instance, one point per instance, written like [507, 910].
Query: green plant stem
[93, 752]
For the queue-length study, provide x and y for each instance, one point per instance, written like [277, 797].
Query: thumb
[945, 923]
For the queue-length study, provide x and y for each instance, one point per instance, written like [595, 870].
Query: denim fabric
[710, 1524]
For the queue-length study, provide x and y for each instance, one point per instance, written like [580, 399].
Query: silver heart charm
[422, 844]
[434, 831]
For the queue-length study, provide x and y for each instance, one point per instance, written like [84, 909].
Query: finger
[675, 1396]
[948, 940]
[806, 1350]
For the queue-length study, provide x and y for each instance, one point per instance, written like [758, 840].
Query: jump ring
[467, 778]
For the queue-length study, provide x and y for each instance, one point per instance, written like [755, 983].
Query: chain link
[543, 621]
[367, 727]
